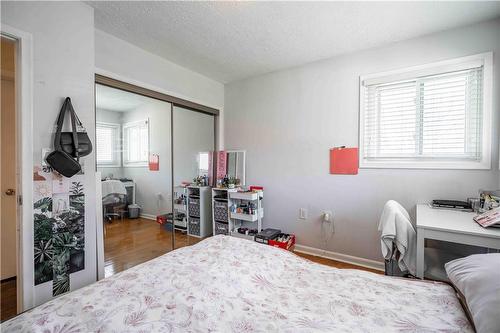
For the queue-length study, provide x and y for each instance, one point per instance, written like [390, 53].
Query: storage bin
[194, 207]
[220, 211]
[221, 228]
[194, 226]
[284, 245]
[134, 211]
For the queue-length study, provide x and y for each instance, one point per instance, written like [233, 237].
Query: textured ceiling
[117, 100]
[228, 41]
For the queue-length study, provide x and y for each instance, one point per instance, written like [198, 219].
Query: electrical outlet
[303, 213]
[327, 216]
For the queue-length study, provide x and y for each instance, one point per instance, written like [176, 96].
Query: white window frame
[117, 161]
[125, 126]
[486, 59]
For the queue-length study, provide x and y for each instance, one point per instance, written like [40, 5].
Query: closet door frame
[174, 101]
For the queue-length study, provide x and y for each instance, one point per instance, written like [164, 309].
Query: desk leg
[420, 253]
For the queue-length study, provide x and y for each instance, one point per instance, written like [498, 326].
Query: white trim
[368, 263]
[148, 216]
[99, 227]
[486, 59]
[24, 109]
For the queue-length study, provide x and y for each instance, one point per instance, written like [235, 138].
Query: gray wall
[288, 120]
[126, 62]
[193, 133]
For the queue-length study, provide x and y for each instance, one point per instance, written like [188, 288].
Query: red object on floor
[161, 219]
[284, 245]
[344, 161]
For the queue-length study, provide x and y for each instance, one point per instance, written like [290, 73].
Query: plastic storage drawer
[220, 211]
[194, 226]
[194, 207]
[221, 228]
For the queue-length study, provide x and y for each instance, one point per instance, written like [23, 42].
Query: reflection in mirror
[236, 165]
[203, 164]
[230, 168]
[133, 155]
[193, 144]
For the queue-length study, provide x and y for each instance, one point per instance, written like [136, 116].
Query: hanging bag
[60, 160]
[84, 145]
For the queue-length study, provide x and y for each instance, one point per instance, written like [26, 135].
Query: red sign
[154, 162]
[344, 161]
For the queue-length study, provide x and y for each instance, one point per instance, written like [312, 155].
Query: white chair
[398, 235]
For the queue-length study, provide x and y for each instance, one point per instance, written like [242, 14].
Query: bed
[226, 284]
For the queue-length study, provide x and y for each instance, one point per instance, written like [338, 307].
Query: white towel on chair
[397, 229]
[113, 186]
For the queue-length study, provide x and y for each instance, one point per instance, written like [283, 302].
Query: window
[433, 116]
[108, 144]
[136, 143]
[203, 164]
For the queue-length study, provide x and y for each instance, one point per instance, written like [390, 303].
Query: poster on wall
[59, 228]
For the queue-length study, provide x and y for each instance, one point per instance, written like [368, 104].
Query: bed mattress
[226, 284]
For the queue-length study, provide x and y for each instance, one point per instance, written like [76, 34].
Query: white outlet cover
[303, 213]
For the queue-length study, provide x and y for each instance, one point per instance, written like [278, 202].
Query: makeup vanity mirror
[236, 165]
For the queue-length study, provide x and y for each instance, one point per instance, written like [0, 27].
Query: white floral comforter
[226, 284]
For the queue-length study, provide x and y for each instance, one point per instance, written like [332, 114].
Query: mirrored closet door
[193, 145]
[133, 156]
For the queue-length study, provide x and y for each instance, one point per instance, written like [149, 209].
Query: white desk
[451, 226]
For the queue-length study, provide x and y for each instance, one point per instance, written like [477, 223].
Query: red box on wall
[284, 245]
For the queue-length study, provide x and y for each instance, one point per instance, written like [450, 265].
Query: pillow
[477, 278]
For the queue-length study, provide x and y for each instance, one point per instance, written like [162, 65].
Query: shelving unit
[199, 211]
[220, 210]
[250, 221]
[180, 208]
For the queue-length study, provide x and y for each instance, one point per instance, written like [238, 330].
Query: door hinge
[20, 200]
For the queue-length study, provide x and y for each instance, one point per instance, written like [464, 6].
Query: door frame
[116, 81]
[24, 151]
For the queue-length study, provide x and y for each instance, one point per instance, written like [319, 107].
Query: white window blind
[136, 136]
[435, 117]
[107, 144]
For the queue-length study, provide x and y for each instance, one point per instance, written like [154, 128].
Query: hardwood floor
[334, 263]
[135, 241]
[8, 299]
[132, 242]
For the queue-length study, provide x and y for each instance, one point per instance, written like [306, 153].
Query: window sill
[109, 166]
[135, 165]
[443, 165]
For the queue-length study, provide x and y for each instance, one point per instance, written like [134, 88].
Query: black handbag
[84, 143]
[59, 159]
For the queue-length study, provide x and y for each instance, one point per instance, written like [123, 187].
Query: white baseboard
[148, 217]
[377, 265]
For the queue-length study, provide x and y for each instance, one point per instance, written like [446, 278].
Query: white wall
[288, 120]
[63, 51]
[151, 183]
[126, 62]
